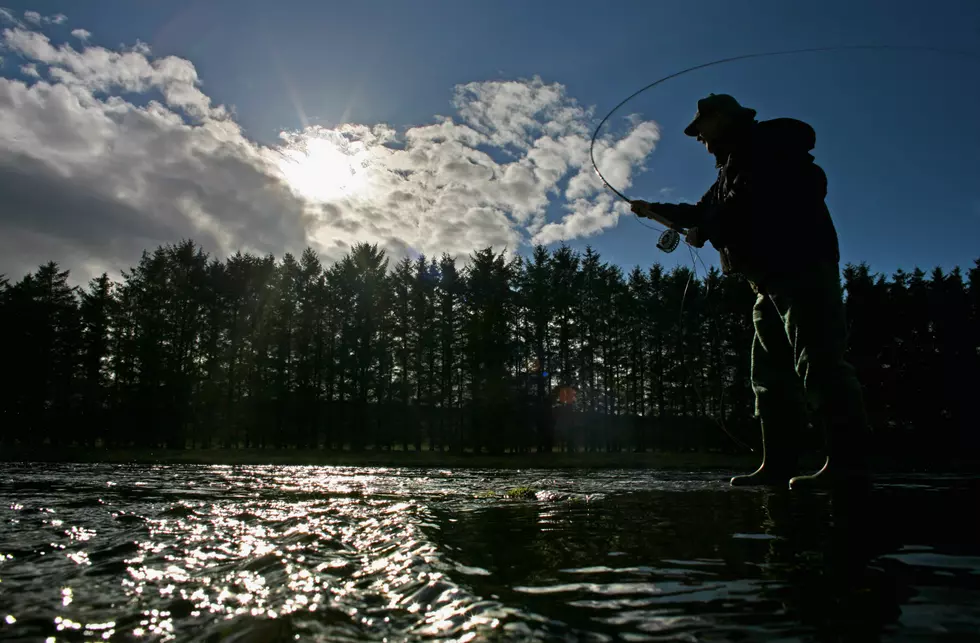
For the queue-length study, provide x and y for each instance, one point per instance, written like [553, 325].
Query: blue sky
[897, 132]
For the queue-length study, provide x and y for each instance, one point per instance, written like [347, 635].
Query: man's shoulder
[785, 133]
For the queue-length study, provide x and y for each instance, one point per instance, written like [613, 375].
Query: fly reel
[669, 240]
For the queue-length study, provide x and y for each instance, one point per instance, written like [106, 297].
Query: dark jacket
[766, 213]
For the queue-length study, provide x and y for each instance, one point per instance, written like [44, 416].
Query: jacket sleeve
[687, 215]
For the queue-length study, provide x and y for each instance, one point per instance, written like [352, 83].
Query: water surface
[199, 553]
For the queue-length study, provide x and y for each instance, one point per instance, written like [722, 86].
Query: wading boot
[846, 466]
[766, 475]
[780, 455]
[834, 474]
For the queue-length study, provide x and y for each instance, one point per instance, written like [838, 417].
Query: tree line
[558, 350]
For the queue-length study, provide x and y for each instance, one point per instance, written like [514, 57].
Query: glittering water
[195, 553]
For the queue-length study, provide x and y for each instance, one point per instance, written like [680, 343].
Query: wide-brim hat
[717, 104]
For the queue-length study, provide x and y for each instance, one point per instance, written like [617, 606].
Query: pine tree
[449, 293]
[307, 349]
[97, 311]
[44, 335]
[537, 302]
[403, 335]
[186, 284]
[486, 329]
[423, 315]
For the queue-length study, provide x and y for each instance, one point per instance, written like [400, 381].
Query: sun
[318, 169]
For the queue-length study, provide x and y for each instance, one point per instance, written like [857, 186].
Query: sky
[446, 127]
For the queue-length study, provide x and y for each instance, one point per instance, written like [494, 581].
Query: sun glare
[319, 170]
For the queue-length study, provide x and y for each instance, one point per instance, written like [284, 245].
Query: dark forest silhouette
[188, 351]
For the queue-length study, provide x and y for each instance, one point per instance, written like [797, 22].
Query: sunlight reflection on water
[320, 553]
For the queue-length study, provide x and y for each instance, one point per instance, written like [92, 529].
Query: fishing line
[669, 238]
[720, 421]
[766, 54]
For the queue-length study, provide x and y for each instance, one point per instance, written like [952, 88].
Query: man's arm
[678, 215]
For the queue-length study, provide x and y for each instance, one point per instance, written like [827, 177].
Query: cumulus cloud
[37, 19]
[96, 69]
[490, 176]
[81, 34]
[91, 179]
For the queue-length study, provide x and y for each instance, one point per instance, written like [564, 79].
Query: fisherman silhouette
[766, 215]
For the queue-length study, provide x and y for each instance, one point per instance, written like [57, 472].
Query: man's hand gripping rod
[670, 238]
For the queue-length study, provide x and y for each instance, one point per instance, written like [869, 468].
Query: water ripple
[99, 552]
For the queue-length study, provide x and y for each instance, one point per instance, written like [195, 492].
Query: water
[197, 553]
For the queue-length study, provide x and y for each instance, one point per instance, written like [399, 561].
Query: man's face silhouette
[711, 128]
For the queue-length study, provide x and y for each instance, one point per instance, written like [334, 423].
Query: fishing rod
[670, 236]
[765, 54]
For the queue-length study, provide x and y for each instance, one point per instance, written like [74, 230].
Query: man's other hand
[695, 237]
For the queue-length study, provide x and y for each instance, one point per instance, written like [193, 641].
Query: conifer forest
[556, 351]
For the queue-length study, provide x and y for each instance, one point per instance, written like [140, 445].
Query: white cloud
[37, 19]
[81, 34]
[102, 70]
[585, 218]
[91, 180]
[518, 113]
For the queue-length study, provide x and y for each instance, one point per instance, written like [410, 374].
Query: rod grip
[665, 221]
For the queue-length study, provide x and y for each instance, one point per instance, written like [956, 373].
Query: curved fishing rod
[670, 238]
[766, 54]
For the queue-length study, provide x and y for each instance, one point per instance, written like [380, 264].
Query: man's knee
[831, 384]
[775, 391]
